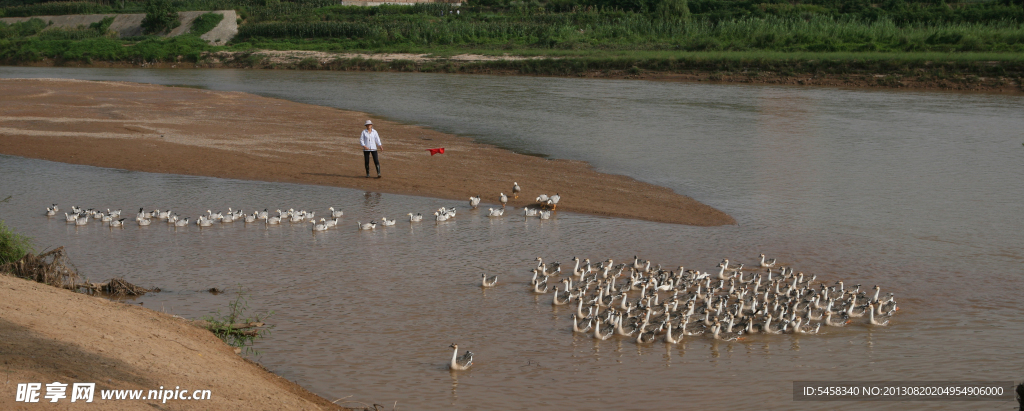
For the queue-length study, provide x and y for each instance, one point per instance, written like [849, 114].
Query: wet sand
[237, 135]
[50, 334]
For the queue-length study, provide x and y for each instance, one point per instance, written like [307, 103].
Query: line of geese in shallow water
[651, 303]
[113, 219]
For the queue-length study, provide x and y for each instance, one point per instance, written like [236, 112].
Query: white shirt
[370, 139]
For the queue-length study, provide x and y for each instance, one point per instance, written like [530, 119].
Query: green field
[806, 36]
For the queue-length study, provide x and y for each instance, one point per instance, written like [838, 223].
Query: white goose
[504, 199]
[70, 218]
[488, 282]
[83, 220]
[515, 189]
[474, 202]
[272, 220]
[51, 211]
[439, 217]
[415, 218]
[553, 201]
[767, 264]
[322, 226]
[336, 214]
[495, 213]
[368, 226]
[529, 212]
[460, 363]
[386, 222]
[145, 221]
[117, 223]
[545, 215]
[181, 223]
[542, 199]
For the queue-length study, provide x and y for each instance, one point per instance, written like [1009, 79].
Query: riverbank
[977, 72]
[188, 131]
[52, 334]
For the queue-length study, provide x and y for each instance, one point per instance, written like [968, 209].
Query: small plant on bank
[237, 328]
[205, 22]
[13, 246]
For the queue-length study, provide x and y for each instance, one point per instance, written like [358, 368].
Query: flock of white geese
[637, 301]
[113, 218]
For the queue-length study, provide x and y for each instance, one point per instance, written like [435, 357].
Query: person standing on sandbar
[371, 144]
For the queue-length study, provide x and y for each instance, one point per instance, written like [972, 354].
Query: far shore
[797, 70]
[177, 130]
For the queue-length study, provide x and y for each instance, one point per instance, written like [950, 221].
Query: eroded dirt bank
[239, 135]
[54, 335]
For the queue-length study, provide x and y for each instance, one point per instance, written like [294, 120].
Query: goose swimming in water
[386, 222]
[474, 202]
[368, 226]
[439, 217]
[336, 213]
[460, 363]
[181, 223]
[51, 211]
[70, 218]
[488, 282]
[117, 223]
[495, 213]
[415, 218]
[767, 264]
[322, 226]
[545, 215]
[272, 220]
[576, 326]
[530, 212]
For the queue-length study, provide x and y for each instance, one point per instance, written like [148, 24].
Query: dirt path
[238, 135]
[54, 335]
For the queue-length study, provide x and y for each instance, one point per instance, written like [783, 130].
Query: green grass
[13, 246]
[238, 312]
[205, 22]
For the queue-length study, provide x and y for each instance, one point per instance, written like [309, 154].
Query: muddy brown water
[920, 193]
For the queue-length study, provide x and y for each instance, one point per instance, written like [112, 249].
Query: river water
[920, 193]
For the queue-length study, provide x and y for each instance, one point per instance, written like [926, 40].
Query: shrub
[160, 16]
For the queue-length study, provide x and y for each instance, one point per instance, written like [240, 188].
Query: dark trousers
[366, 160]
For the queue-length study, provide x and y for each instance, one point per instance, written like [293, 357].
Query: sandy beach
[238, 135]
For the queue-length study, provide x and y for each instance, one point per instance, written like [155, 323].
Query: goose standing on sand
[553, 201]
[542, 199]
[474, 202]
[460, 363]
[504, 199]
[495, 213]
[368, 226]
[515, 189]
[415, 218]
[488, 282]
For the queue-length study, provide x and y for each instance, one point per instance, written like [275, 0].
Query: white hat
[368, 122]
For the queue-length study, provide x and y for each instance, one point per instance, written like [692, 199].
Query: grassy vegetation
[13, 246]
[205, 22]
[238, 313]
